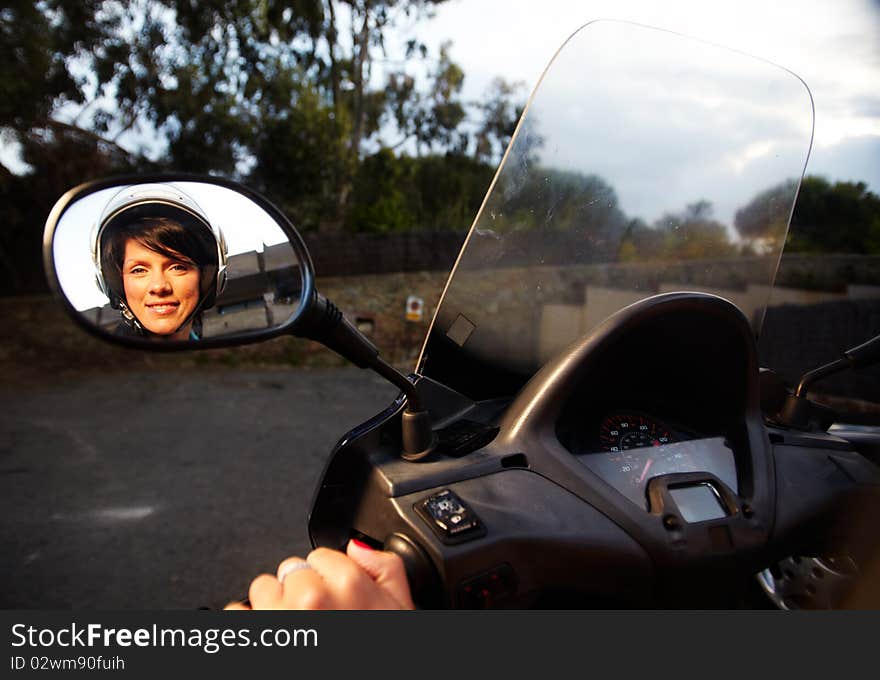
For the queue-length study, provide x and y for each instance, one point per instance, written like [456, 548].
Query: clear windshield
[645, 163]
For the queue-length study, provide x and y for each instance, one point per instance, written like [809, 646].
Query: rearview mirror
[176, 261]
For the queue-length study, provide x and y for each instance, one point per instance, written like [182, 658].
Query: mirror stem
[326, 324]
[817, 373]
[798, 411]
[857, 357]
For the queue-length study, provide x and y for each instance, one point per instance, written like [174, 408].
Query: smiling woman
[159, 261]
[161, 291]
[177, 259]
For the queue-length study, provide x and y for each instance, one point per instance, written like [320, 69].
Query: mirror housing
[156, 255]
[257, 279]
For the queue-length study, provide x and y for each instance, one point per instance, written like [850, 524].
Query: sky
[834, 46]
[671, 124]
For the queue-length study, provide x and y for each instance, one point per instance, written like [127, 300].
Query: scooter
[588, 424]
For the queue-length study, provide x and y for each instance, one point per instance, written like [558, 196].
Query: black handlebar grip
[424, 581]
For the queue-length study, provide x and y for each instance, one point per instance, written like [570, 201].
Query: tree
[763, 221]
[500, 112]
[256, 60]
[447, 190]
[843, 217]
[694, 234]
[432, 118]
[282, 94]
[380, 204]
[686, 235]
[299, 159]
[434, 192]
[36, 42]
[39, 42]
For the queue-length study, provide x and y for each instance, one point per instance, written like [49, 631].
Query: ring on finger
[288, 568]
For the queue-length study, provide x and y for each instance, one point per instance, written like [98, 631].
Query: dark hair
[168, 236]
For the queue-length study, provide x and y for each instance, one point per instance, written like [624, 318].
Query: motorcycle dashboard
[626, 448]
[652, 400]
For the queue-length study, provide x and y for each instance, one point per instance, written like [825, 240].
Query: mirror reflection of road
[164, 490]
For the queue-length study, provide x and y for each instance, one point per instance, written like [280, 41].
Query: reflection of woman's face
[160, 291]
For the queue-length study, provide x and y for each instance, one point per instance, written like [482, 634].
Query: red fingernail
[361, 544]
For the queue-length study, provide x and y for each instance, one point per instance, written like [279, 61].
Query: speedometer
[633, 448]
[624, 431]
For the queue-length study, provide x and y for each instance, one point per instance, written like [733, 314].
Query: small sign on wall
[415, 308]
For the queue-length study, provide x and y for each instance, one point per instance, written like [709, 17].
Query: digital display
[697, 503]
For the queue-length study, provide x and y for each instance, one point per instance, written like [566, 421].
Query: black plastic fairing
[552, 524]
[546, 535]
[549, 537]
[338, 496]
[827, 502]
[662, 352]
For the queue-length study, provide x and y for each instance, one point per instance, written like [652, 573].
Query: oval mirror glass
[180, 261]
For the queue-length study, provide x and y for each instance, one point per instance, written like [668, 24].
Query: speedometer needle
[645, 471]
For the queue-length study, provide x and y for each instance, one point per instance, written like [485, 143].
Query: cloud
[855, 159]
[866, 105]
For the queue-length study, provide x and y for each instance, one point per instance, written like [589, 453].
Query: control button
[449, 517]
[489, 589]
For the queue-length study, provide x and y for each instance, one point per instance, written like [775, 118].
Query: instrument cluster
[622, 431]
[627, 448]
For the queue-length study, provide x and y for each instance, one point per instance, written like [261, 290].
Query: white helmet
[157, 200]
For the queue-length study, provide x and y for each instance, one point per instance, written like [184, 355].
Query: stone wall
[38, 341]
[342, 254]
[805, 328]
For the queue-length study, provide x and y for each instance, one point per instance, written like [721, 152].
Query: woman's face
[160, 291]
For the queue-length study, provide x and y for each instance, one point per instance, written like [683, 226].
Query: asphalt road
[161, 490]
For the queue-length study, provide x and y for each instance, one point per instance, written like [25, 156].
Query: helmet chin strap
[130, 317]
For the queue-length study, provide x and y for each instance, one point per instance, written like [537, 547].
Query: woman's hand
[360, 578]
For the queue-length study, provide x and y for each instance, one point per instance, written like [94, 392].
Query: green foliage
[379, 198]
[762, 222]
[843, 217]
[693, 234]
[36, 39]
[431, 120]
[687, 235]
[558, 200]
[300, 155]
[433, 193]
[500, 113]
[447, 190]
